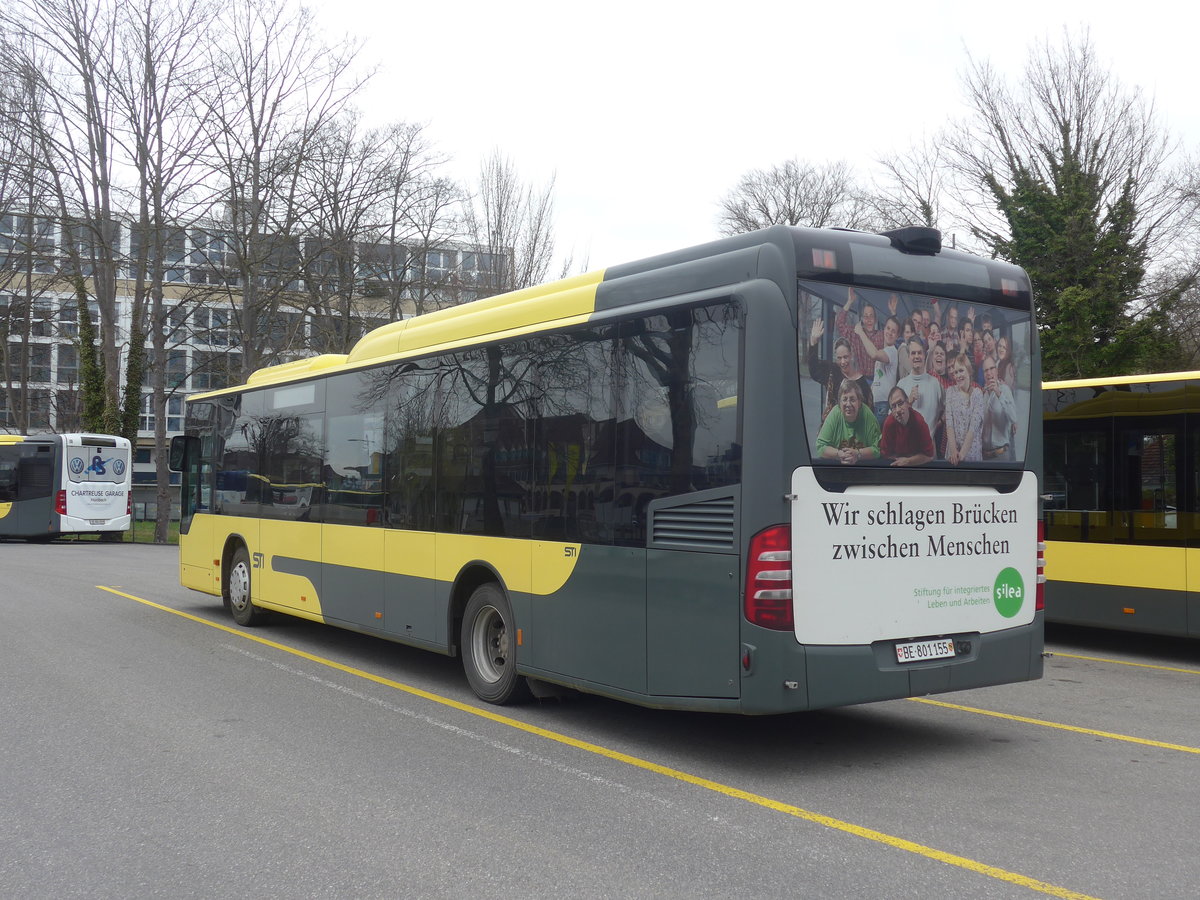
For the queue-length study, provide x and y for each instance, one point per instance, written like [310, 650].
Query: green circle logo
[1009, 592]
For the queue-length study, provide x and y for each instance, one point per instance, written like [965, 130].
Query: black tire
[235, 590]
[489, 647]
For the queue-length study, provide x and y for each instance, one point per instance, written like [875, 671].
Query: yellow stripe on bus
[526, 566]
[1124, 565]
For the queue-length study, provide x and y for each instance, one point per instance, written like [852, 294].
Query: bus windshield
[904, 379]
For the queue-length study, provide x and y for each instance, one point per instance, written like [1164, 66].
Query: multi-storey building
[320, 300]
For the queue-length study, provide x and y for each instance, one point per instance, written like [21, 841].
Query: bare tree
[274, 85]
[794, 193]
[29, 269]
[511, 222]
[160, 72]
[1070, 174]
[372, 209]
[912, 188]
[420, 220]
[67, 48]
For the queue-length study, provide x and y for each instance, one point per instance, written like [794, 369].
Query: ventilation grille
[705, 525]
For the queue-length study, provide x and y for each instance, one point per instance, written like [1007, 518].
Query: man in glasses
[906, 440]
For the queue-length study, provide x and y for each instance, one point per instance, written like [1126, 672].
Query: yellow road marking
[1113, 736]
[869, 834]
[1121, 662]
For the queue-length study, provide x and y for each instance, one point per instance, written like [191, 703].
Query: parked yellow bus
[618, 483]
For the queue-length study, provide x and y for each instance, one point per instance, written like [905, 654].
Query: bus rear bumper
[820, 676]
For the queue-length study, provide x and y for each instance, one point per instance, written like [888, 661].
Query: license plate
[916, 651]
[97, 521]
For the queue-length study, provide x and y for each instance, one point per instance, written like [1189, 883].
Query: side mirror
[183, 449]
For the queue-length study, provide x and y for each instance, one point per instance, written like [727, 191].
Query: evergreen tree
[1076, 172]
[97, 413]
[1087, 263]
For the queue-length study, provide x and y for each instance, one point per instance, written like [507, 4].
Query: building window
[177, 324]
[68, 364]
[39, 410]
[66, 412]
[211, 326]
[213, 259]
[482, 268]
[174, 414]
[438, 264]
[28, 242]
[176, 373]
[381, 262]
[286, 329]
[68, 317]
[214, 370]
[174, 250]
[38, 361]
[12, 313]
[177, 369]
[42, 321]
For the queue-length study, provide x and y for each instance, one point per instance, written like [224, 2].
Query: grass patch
[143, 533]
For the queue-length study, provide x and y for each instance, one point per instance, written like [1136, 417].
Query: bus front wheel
[489, 647]
[237, 590]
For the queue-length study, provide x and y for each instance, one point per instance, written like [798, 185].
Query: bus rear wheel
[237, 590]
[489, 647]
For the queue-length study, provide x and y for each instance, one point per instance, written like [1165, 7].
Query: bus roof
[1157, 378]
[771, 253]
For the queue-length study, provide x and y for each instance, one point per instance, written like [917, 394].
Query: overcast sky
[648, 112]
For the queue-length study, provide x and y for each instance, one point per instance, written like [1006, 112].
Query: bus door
[281, 431]
[1189, 495]
[354, 584]
[1150, 457]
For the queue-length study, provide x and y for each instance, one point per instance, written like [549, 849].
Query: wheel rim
[239, 586]
[490, 646]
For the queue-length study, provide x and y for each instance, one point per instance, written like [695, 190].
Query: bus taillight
[60, 503]
[1040, 595]
[769, 579]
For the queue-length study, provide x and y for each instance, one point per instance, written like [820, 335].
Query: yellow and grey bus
[619, 482]
[54, 484]
[1122, 459]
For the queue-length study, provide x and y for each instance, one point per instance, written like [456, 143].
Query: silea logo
[1008, 592]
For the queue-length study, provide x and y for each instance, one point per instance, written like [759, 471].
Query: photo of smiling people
[963, 367]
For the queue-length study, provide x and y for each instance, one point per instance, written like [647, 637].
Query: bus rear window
[902, 379]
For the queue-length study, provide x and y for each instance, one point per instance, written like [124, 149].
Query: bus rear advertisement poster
[96, 481]
[913, 559]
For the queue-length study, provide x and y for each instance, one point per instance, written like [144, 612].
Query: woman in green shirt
[849, 434]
